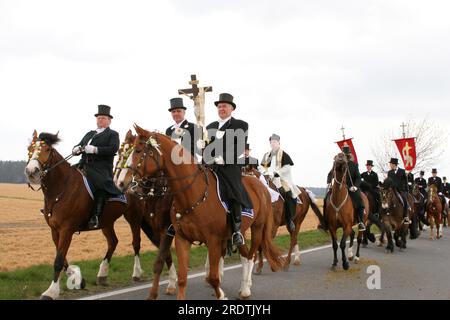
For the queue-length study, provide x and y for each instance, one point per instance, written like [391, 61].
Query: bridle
[338, 208]
[152, 151]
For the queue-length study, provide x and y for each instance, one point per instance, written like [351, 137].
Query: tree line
[12, 172]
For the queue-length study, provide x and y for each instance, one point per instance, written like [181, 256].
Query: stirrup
[406, 220]
[93, 222]
[171, 231]
[361, 227]
[241, 239]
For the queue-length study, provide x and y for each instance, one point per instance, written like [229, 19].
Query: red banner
[348, 142]
[407, 149]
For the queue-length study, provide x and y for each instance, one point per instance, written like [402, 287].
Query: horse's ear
[128, 135]
[139, 130]
[57, 134]
[34, 134]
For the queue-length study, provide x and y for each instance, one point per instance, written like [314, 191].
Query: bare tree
[430, 145]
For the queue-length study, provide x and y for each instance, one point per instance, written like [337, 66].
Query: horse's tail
[270, 250]
[315, 208]
[147, 228]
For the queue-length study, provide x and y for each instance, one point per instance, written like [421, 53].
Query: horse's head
[432, 192]
[340, 168]
[40, 153]
[386, 193]
[415, 190]
[124, 152]
[144, 161]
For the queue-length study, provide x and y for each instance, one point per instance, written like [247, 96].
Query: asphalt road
[422, 271]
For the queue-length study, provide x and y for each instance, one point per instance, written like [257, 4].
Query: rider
[399, 178]
[371, 177]
[353, 183]
[99, 147]
[446, 187]
[178, 131]
[228, 137]
[250, 162]
[436, 181]
[410, 179]
[422, 183]
[280, 171]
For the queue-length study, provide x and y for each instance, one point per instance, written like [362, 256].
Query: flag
[407, 149]
[348, 142]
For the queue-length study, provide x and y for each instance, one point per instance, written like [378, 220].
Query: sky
[300, 69]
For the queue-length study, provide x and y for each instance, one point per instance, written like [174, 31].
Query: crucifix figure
[403, 129]
[343, 132]
[197, 94]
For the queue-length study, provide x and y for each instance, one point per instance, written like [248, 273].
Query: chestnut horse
[279, 219]
[197, 213]
[340, 213]
[67, 205]
[151, 207]
[434, 212]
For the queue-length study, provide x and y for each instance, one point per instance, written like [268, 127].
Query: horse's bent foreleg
[112, 240]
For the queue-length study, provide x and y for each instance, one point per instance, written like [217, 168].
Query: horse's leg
[335, 247]
[112, 240]
[359, 240]
[136, 233]
[164, 249]
[260, 261]
[350, 247]
[390, 244]
[293, 242]
[182, 247]
[431, 227]
[172, 286]
[63, 238]
[345, 234]
[215, 254]
[296, 249]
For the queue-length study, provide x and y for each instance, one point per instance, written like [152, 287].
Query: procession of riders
[227, 153]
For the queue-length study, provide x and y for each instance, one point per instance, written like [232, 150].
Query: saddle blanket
[121, 198]
[246, 212]
[274, 195]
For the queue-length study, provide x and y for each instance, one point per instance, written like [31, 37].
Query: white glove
[353, 189]
[270, 174]
[77, 150]
[90, 149]
[201, 144]
[219, 160]
[440, 193]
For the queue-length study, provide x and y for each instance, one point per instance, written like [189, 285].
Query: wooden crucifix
[197, 94]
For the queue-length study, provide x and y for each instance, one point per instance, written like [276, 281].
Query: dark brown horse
[151, 207]
[198, 214]
[280, 220]
[340, 213]
[67, 205]
[392, 215]
[434, 212]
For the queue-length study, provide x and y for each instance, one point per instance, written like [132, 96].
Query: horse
[150, 203]
[197, 212]
[419, 205]
[340, 213]
[434, 212]
[373, 216]
[392, 215]
[67, 205]
[280, 220]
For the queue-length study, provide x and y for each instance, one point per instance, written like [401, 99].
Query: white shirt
[222, 122]
[99, 130]
[177, 125]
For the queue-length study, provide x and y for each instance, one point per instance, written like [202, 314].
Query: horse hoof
[136, 279]
[102, 281]
[371, 237]
[356, 260]
[345, 265]
[83, 283]
[333, 267]
[245, 294]
[46, 298]
[297, 263]
[170, 291]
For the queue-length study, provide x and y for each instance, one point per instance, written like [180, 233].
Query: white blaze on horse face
[33, 165]
[123, 174]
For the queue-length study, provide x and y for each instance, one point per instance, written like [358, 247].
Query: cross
[403, 128]
[194, 90]
[343, 132]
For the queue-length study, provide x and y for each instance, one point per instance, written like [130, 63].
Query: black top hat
[226, 98]
[104, 110]
[176, 103]
[434, 171]
[247, 146]
[274, 137]
[422, 173]
[346, 149]
[444, 178]
[369, 163]
[394, 161]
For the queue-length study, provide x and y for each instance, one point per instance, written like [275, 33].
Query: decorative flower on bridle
[179, 132]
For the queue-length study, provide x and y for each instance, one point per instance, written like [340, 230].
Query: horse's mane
[49, 138]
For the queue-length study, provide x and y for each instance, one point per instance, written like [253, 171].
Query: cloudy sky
[301, 69]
